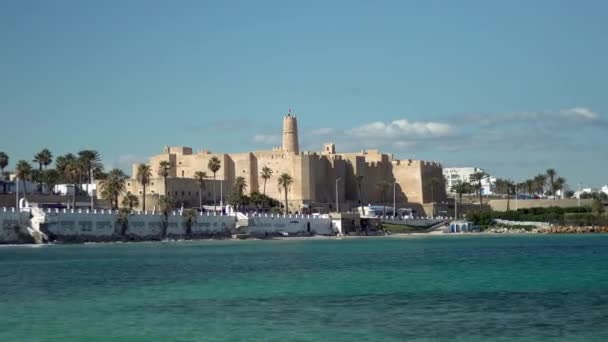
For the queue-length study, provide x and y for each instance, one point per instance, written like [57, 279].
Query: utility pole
[337, 198]
[515, 197]
[394, 202]
[17, 194]
[579, 193]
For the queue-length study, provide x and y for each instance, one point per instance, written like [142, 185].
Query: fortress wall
[281, 162]
[409, 178]
[295, 224]
[80, 226]
[10, 221]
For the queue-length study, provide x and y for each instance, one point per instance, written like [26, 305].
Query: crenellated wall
[292, 224]
[85, 226]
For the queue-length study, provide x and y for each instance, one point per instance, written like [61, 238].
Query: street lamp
[337, 198]
[394, 202]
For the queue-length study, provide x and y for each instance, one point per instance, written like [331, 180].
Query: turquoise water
[463, 288]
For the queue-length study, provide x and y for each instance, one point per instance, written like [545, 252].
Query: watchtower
[290, 134]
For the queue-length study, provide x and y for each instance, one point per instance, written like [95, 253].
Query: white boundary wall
[9, 220]
[291, 224]
[85, 225]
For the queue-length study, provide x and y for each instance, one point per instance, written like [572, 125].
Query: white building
[68, 189]
[464, 174]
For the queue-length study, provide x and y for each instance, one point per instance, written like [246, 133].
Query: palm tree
[200, 177]
[51, 178]
[165, 205]
[44, 157]
[285, 182]
[530, 186]
[71, 173]
[91, 162]
[3, 164]
[214, 166]
[434, 182]
[62, 161]
[382, 187]
[509, 188]
[266, 174]
[551, 175]
[559, 184]
[189, 217]
[130, 201]
[477, 177]
[359, 181]
[112, 186]
[163, 170]
[240, 184]
[460, 187]
[144, 173]
[24, 171]
[539, 183]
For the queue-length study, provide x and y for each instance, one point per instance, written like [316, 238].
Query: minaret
[290, 134]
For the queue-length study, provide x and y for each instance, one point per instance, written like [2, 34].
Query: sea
[414, 288]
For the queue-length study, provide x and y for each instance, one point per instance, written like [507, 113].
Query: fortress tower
[290, 134]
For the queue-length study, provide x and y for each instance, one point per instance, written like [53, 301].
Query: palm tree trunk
[264, 193]
[165, 177]
[214, 200]
[40, 175]
[24, 190]
[144, 198]
[480, 197]
[286, 203]
[200, 199]
[74, 197]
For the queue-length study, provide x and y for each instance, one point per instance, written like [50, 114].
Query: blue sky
[514, 87]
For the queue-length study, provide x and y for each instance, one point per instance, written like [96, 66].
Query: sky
[514, 87]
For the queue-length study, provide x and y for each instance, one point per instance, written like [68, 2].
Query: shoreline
[308, 238]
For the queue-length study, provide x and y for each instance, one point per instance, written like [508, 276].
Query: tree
[510, 189]
[359, 179]
[266, 174]
[61, 163]
[530, 186]
[284, 183]
[559, 184]
[71, 173]
[434, 182]
[214, 166]
[200, 177]
[539, 184]
[551, 175]
[91, 162]
[3, 164]
[382, 187]
[113, 186]
[236, 198]
[23, 170]
[51, 178]
[42, 158]
[130, 201]
[189, 219]
[477, 178]
[165, 205]
[598, 207]
[144, 174]
[460, 187]
[164, 169]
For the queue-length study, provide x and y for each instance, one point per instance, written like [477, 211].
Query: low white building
[68, 189]
[464, 174]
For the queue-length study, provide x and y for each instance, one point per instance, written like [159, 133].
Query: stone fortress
[314, 176]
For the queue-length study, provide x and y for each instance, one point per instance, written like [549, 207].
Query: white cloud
[322, 131]
[266, 139]
[402, 129]
[579, 113]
